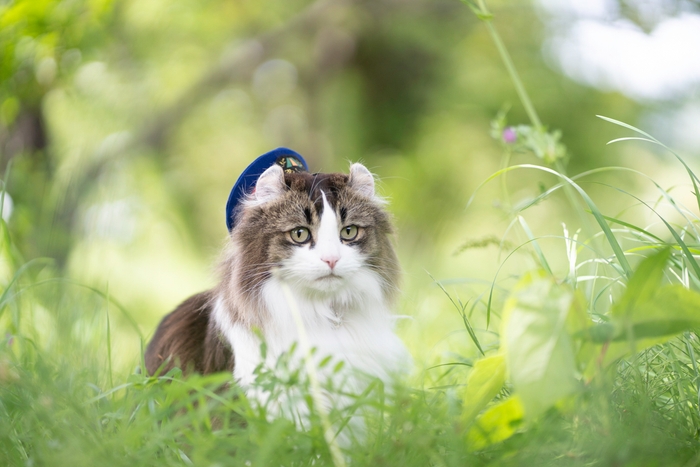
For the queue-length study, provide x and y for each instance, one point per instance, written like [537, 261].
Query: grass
[54, 413]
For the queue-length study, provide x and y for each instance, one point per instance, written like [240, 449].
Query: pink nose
[332, 261]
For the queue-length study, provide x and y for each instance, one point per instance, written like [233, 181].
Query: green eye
[300, 235]
[349, 233]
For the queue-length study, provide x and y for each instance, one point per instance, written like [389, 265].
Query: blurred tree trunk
[26, 145]
[27, 134]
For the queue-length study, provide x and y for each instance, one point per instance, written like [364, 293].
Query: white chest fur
[357, 331]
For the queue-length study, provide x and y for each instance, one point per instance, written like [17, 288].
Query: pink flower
[509, 135]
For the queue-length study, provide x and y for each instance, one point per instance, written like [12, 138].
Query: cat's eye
[349, 233]
[300, 235]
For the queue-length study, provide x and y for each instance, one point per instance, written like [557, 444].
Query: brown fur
[188, 337]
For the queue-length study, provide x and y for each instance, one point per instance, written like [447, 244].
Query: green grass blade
[5, 298]
[665, 195]
[653, 140]
[612, 241]
[493, 282]
[535, 245]
[109, 340]
[120, 307]
[634, 227]
[462, 313]
[629, 127]
[610, 237]
[686, 251]
[631, 138]
[663, 192]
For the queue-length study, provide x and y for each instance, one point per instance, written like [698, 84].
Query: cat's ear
[270, 184]
[361, 180]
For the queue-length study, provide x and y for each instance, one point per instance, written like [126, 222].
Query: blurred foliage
[125, 123]
[43, 40]
[42, 44]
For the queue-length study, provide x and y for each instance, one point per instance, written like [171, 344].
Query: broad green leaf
[485, 380]
[643, 284]
[599, 333]
[646, 315]
[497, 424]
[672, 310]
[539, 351]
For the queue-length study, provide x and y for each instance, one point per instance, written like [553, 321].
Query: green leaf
[497, 424]
[599, 333]
[646, 315]
[672, 310]
[544, 144]
[484, 382]
[643, 284]
[536, 336]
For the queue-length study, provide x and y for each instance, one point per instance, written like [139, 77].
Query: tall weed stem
[487, 17]
[514, 76]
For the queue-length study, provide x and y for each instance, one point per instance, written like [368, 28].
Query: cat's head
[322, 234]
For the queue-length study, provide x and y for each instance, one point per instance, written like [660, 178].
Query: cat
[317, 242]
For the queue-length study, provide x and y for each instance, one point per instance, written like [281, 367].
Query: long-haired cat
[325, 238]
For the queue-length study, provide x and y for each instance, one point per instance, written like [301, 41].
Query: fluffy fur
[343, 285]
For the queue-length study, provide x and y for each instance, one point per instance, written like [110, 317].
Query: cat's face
[323, 234]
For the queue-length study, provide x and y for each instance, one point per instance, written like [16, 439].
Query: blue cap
[289, 160]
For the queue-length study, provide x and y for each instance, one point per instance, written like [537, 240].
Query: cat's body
[189, 338]
[315, 243]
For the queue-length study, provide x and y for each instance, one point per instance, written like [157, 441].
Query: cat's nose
[330, 261]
